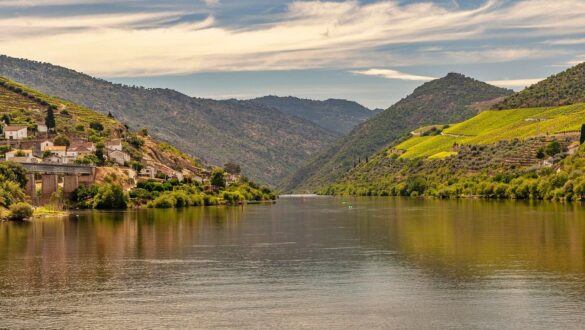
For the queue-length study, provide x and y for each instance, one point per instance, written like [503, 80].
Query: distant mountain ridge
[268, 144]
[336, 115]
[565, 88]
[450, 99]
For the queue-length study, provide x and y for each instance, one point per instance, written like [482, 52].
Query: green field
[492, 126]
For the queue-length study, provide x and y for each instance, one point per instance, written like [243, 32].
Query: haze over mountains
[339, 116]
[450, 99]
[268, 144]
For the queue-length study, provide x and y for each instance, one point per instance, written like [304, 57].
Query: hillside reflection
[455, 240]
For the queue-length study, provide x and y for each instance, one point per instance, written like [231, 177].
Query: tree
[137, 166]
[96, 125]
[20, 211]
[110, 115]
[217, 178]
[50, 119]
[233, 168]
[553, 148]
[110, 197]
[540, 153]
[582, 140]
[62, 140]
[144, 131]
[6, 119]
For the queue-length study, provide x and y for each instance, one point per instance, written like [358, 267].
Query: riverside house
[15, 132]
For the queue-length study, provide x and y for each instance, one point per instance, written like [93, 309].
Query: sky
[372, 51]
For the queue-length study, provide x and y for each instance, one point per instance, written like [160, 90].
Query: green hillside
[450, 99]
[565, 88]
[492, 126]
[530, 153]
[82, 136]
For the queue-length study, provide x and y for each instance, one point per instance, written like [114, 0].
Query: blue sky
[371, 51]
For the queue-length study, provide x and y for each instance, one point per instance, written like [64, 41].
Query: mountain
[450, 99]
[268, 144]
[339, 116]
[567, 87]
[527, 153]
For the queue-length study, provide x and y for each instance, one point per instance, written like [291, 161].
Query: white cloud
[212, 3]
[392, 74]
[566, 42]
[310, 34]
[515, 82]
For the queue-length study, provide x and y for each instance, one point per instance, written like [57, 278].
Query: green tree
[582, 139]
[96, 125]
[110, 197]
[20, 211]
[50, 118]
[62, 140]
[218, 178]
[232, 168]
[553, 148]
[6, 118]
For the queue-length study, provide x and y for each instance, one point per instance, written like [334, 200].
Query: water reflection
[298, 257]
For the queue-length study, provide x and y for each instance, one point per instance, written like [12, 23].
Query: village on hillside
[40, 146]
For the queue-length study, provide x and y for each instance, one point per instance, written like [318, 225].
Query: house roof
[119, 153]
[80, 148]
[26, 151]
[22, 159]
[56, 148]
[13, 128]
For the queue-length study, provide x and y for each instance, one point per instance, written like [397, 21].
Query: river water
[303, 263]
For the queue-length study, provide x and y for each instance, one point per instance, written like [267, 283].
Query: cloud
[392, 74]
[309, 34]
[566, 42]
[212, 3]
[515, 82]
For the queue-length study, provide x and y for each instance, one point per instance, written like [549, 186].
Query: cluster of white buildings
[47, 152]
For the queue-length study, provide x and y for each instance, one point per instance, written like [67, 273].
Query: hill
[446, 100]
[268, 144]
[491, 127]
[28, 108]
[339, 116]
[567, 87]
[128, 167]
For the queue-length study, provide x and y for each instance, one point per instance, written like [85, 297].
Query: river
[303, 263]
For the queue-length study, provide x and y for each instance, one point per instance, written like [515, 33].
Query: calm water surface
[321, 263]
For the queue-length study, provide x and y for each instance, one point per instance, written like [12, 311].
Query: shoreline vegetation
[110, 195]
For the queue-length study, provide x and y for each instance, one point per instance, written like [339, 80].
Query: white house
[32, 159]
[119, 157]
[42, 127]
[60, 151]
[45, 144]
[148, 171]
[114, 145]
[21, 154]
[15, 132]
[82, 147]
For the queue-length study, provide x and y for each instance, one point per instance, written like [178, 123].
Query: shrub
[20, 211]
[110, 197]
[62, 140]
[218, 178]
[553, 148]
[163, 202]
[95, 125]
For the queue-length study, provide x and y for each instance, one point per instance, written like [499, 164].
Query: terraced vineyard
[492, 126]
[26, 107]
